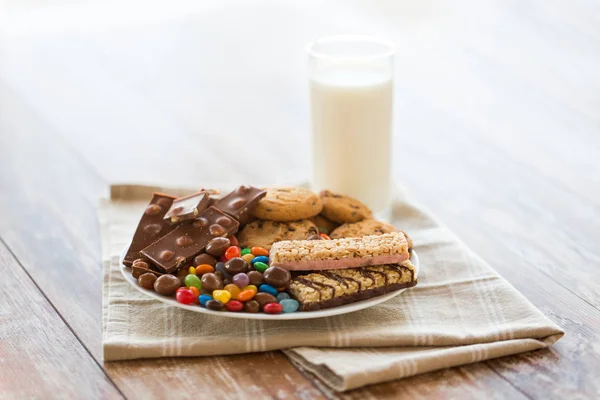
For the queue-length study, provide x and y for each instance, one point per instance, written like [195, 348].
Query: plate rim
[300, 315]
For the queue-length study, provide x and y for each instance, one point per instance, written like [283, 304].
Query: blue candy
[203, 298]
[264, 259]
[289, 305]
[268, 289]
[282, 296]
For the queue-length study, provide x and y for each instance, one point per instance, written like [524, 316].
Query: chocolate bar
[389, 248]
[332, 288]
[151, 226]
[240, 202]
[188, 240]
[188, 207]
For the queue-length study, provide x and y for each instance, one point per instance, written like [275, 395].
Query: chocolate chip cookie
[288, 204]
[343, 209]
[325, 225]
[363, 228]
[264, 233]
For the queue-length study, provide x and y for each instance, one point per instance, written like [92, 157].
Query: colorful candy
[231, 252]
[289, 305]
[259, 251]
[263, 259]
[233, 289]
[268, 289]
[195, 290]
[193, 280]
[192, 270]
[241, 280]
[185, 296]
[273, 308]
[215, 305]
[260, 266]
[222, 295]
[246, 295]
[203, 298]
[282, 296]
[233, 240]
[251, 287]
[245, 251]
[264, 298]
[235, 306]
[203, 269]
[248, 257]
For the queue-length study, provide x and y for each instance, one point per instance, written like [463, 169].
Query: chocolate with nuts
[188, 240]
[188, 207]
[240, 202]
[151, 227]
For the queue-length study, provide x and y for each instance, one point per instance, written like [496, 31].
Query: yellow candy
[233, 289]
[222, 295]
[251, 287]
[192, 271]
[248, 258]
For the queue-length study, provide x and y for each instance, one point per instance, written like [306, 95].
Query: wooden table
[497, 132]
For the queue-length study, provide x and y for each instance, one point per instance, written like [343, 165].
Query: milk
[351, 121]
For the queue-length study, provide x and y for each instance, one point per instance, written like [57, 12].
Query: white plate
[328, 312]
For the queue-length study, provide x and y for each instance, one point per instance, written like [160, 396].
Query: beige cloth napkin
[461, 312]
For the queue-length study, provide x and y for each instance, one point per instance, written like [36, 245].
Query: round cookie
[288, 204]
[343, 209]
[363, 228]
[325, 225]
[264, 233]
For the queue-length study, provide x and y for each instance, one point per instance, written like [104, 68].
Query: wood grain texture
[253, 376]
[59, 226]
[497, 132]
[39, 355]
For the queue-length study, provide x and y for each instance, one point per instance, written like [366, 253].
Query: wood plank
[57, 193]
[253, 376]
[39, 354]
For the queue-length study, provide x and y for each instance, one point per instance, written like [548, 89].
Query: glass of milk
[351, 92]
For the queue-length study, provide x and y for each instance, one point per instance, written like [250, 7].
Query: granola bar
[332, 288]
[307, 255]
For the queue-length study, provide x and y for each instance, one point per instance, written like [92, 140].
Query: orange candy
[259, 251]
[204, 269]
[246, 295]
[196, 292]
[324, 236]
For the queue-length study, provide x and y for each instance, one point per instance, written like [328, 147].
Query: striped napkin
[461, 312]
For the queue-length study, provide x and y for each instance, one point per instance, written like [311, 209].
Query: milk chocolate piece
[151, 226]
[188, 207]
[240, 202]
[334, 288]
[172, 251]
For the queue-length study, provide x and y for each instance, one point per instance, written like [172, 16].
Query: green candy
[245, 251]
[193, 280]
[260, 266]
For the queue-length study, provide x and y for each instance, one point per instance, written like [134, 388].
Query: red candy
[233, 240]
[232, 252]
[324, 236]
[273, 308]
[185, 296]
[234, 305]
